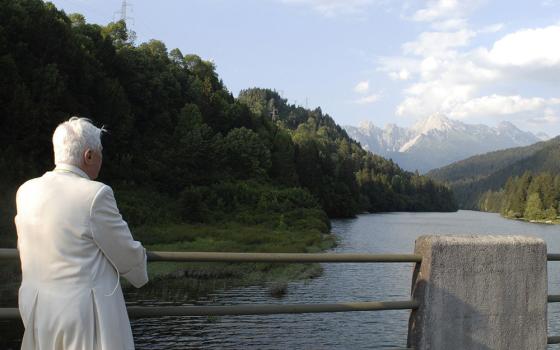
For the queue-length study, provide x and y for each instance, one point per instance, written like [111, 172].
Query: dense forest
[531, 197]
[180, 147]
[472, 178]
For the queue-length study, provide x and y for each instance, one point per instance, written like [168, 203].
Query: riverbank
[196, 279]
[533, 221]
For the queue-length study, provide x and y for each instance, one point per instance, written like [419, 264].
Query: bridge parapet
[479, 292]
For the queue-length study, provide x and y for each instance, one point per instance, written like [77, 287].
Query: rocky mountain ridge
[437, 141]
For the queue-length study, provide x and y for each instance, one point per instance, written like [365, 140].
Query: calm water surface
[372, 233]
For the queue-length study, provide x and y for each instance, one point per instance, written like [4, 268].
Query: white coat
[73, 244]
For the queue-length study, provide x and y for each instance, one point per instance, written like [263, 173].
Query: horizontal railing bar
[281, 257]
[263, 309]
[553, 299]
[268, 309]
[7, 253]
[262, 257]
[553, 257]
[553, 340]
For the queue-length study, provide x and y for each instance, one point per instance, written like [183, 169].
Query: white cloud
[526, 112]
[397, 64]
[444, 82]
[450, 24]
[449, 76]
[437, 43]
[549, 3]
[528, 47]
[498, 105]
[549, 117]
[367, 99]
[444, 9]
[403, 74]
[362, 87]
[333, 8]
[435, 10]
[457, 69]
[426, 98]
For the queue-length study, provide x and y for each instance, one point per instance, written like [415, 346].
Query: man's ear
[87, 155]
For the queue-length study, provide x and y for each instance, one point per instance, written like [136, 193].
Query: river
[369, 233]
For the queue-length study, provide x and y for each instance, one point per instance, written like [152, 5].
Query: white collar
[72, 169]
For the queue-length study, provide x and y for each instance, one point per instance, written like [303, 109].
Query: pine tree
[534, 209]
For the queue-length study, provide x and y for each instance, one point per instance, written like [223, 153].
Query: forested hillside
[531, 197]
[483, 165]
[473, 177]
[181, 147]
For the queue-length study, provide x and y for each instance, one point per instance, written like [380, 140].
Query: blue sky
[383, 61]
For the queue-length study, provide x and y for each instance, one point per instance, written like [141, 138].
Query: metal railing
[140, 312]
[136, 311]
[262, 309]
[263, 257]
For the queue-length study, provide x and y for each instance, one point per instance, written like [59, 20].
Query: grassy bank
[201, 278]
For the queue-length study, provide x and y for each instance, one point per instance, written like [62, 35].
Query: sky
[382, 61]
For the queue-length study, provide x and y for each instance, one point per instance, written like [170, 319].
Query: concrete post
[479, 292]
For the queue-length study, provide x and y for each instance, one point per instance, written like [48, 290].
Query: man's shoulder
[83, 185]
[30, 185]
[61, 182]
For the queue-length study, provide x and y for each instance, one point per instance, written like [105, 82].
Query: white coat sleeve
[111, 233]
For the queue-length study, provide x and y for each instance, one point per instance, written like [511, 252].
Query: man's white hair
[73, 137]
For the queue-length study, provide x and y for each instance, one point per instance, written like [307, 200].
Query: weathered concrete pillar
[479, 292]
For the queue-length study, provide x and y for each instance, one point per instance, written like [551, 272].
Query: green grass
[201, 278]
[234, 237]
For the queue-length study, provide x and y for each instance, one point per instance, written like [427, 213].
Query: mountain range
[437, 141]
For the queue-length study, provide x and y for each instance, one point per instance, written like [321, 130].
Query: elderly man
[73, 245]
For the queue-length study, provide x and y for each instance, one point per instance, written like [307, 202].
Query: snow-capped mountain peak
[505, 125]
[437, 140]
[506, 128]
[434, 122]
[367, 128]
